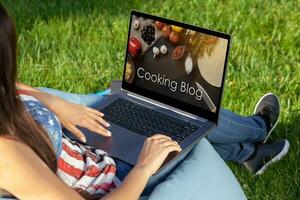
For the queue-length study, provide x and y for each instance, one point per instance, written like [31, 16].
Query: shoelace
[266, 110]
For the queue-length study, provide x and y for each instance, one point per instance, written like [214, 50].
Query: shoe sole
[278, 157]
[270, 93]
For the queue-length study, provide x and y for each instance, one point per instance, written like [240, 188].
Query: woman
[28, 148]
[36, 149]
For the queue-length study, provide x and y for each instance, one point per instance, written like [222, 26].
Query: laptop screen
[175, 63]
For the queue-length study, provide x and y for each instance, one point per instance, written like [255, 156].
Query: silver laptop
[172, 84]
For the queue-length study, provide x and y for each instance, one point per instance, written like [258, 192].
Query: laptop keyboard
[147, 121]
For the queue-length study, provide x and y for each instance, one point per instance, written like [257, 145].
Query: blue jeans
[235, 135]
[233, 139]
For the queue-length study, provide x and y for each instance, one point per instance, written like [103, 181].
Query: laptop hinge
[163, 106]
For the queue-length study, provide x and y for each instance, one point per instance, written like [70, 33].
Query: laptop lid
[178, 64]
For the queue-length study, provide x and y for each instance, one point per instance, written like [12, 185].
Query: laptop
[172, 84]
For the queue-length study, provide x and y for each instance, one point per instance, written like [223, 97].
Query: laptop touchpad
[122, 144]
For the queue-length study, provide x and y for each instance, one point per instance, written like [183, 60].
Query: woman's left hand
[71, 115]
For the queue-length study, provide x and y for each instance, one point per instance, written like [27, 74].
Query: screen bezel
[168, 100]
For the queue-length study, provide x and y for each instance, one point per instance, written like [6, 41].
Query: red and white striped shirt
[86, 168]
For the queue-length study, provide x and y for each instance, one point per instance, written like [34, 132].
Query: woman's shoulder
[8, 143]
[10, 146]
[21, 164]
[12, 152]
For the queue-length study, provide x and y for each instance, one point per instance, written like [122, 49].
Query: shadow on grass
[292, 161]
[282, 177]
[26, 12]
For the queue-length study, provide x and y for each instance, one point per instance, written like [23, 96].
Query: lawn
[79, 46]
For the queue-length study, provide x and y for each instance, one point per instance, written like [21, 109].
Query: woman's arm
[69, 114]
[154, 152]
[22, 86]
[26, 176]
[132, 186]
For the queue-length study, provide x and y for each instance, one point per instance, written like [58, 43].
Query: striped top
[81, 167]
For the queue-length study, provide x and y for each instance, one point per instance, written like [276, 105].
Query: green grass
[78, 46]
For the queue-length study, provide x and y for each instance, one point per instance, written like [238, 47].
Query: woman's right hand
[155, 150]
[152, 155]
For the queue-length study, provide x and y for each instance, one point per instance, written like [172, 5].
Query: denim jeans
[235, 135]
[233, 139]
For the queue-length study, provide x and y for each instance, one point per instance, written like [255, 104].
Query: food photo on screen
[176, 62]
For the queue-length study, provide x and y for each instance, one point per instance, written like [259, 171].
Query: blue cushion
[202, 175]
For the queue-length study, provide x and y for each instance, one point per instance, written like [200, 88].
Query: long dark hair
[15, 121]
